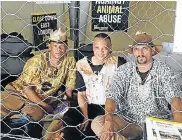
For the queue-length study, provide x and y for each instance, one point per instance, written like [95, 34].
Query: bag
[15, 51]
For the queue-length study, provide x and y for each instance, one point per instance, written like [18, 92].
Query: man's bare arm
[110, 107]
[176, 106]
[83, 103]
[108, 127]
[32, 96]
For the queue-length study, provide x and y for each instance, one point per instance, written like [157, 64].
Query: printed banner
[43, 25]
[110, 16]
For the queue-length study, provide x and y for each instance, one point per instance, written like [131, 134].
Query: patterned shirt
[38, 72]
[135, 101]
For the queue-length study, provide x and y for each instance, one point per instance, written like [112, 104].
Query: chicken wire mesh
[154, 17]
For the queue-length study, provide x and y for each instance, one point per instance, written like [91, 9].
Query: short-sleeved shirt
[135, 101]
[38, 72]
[80, 84]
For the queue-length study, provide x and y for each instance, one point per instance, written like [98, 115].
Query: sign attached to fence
[110, 16]
[51, 2]
[43, 25]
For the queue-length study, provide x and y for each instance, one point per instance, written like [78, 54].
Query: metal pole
[76, 29]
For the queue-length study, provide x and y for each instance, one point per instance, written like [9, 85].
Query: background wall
[156, 18]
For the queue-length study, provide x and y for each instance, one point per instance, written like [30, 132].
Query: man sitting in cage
[137, 90]
[92, 81]
[32, 94]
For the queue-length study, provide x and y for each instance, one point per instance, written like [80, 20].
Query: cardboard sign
[110, 16]
[43, 25]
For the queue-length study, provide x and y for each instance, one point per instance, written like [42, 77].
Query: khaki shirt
[38, 70]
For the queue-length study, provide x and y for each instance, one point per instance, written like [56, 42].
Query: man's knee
[97, 124]
[4, 112]
[34, 111]
[11, 101]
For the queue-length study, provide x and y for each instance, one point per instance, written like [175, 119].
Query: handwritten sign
[110, 15]
[43, 25]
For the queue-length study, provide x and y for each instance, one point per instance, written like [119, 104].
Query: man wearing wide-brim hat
[41, 78]
[140, 89]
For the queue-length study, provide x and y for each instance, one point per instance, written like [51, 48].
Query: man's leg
[93, 111]
[11, 101]
[4, 111]
[70, 121]
[128, 130]
[53, 130]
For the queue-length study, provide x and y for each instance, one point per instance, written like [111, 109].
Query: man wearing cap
[92, 81]
[42, 76]
[137, 90]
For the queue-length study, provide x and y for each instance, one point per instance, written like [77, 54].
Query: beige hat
[59, 36]
[142, 38]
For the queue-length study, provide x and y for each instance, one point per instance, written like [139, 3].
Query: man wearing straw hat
[30, 95]
[137, 90]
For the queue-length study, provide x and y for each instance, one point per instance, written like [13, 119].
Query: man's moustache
[140, 56]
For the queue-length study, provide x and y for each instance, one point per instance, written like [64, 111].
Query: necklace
[57, 66]
[52, 70]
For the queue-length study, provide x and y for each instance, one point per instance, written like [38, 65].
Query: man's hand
[69, 93]
[107, 131]
[56, 136]
[83, 126]
[48, 108]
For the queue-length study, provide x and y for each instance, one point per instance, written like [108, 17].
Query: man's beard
[140, 60]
